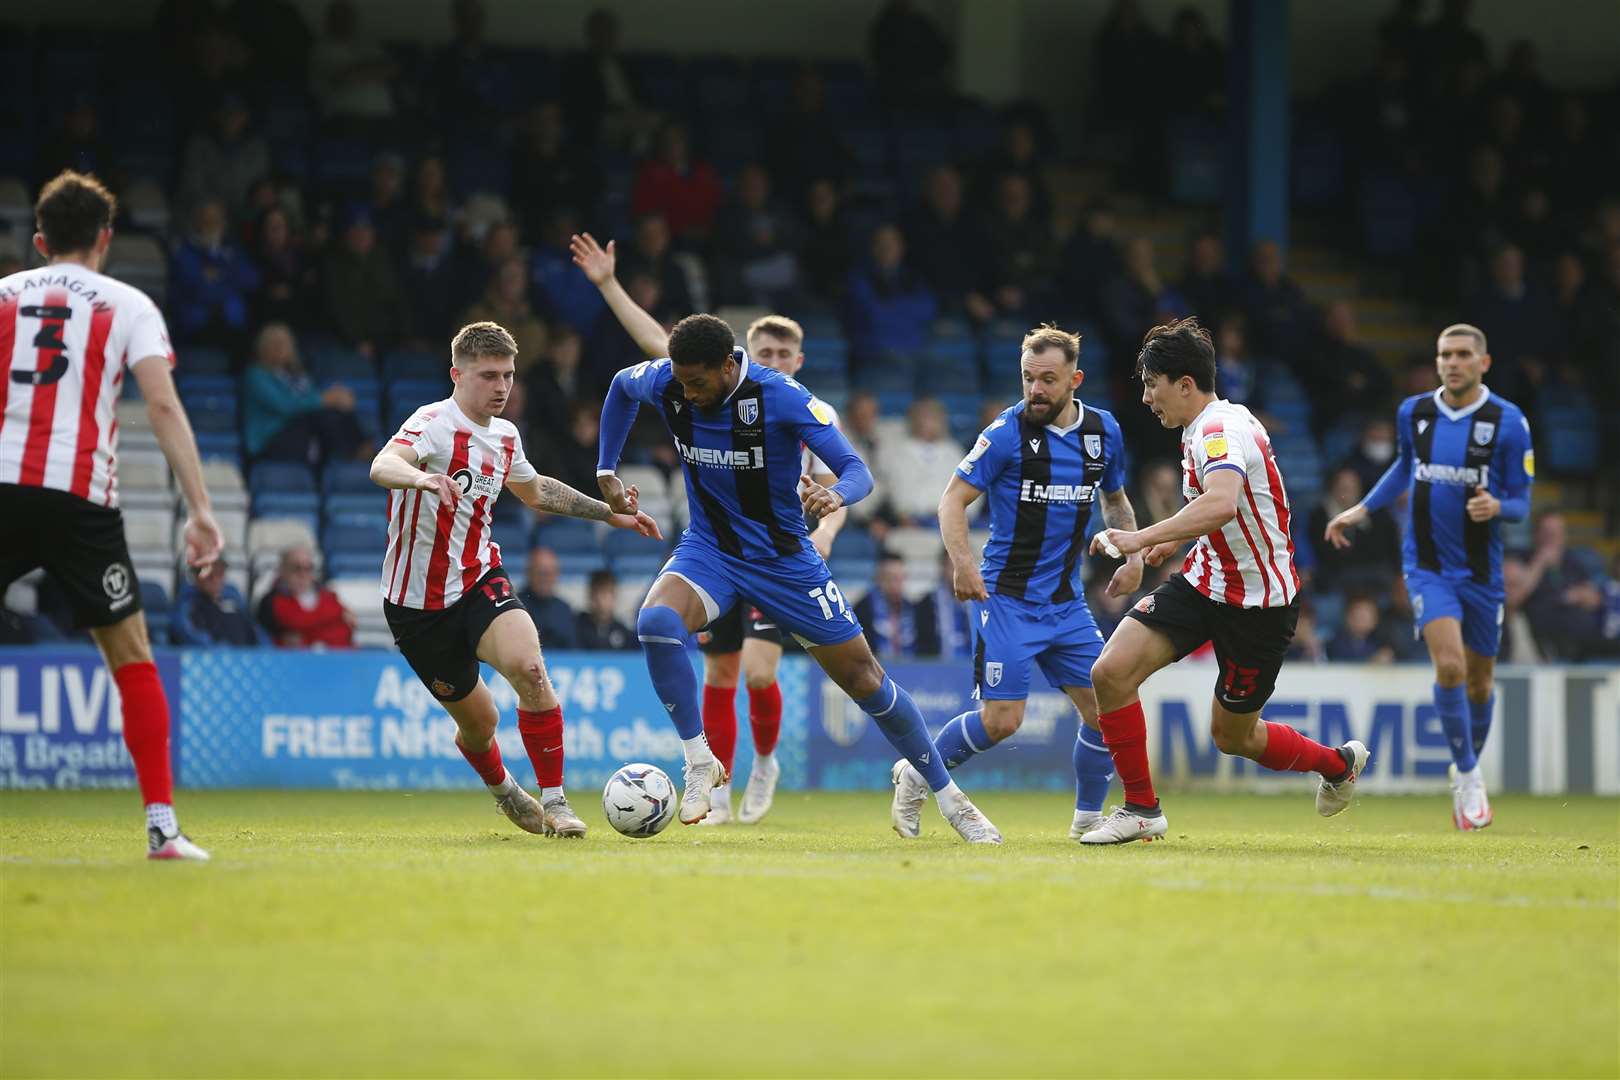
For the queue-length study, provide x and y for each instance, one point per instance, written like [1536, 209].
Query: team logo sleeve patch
[821, 411]
[1530, 463]
[1215, 445]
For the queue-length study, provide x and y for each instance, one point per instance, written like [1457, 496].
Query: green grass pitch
[420, 935]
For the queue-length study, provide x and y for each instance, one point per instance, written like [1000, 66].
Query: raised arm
[174, 435]
[598, 264]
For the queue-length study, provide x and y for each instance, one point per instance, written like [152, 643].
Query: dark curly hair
[702, 340]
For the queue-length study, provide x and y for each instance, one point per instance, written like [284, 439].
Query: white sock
[762, 762]
[1087, 817]
[504, 787]
[950, 798]
[160, 815]
[549, 793]
[696, 750]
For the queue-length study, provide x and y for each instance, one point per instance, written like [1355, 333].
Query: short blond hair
[1463, 329]
[1049, 336]
[776, 326]
[481, 339]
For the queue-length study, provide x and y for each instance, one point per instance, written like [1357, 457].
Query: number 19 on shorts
[829, 596]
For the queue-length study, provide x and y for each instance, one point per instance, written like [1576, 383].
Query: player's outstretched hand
[639, 522]
[203, 539]
[597, 263]
[1483, 505]
[1337, 528]
[1116, 543]
[620, 499]
[967, 583]
[1156, 554]
[1127, 579]
[817, 501]
[441, 485]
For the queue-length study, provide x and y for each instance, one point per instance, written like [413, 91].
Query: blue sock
[901, 722]
[961, 738]
[662, 637]
[1479, 721]
[1093, 769]
[1451, 702]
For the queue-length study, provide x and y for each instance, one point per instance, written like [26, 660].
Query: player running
[448, 602]
[1237, 588]
[1466, 458]
[743, 637]
[67, 335]
[1043, 462]
[739, 429]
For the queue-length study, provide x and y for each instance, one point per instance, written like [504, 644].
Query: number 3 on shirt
[827, 597]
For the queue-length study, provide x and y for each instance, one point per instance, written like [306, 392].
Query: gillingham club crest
[1483, 432]
[1093, 446]
[748, 411]
[992, 673]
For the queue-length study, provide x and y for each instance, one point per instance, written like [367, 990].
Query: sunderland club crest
[1093, 446]
[748, 411]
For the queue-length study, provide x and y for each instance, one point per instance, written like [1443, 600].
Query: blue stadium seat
[356, 532]
[854, 543]
[192, 361]
[634, 564]
[287, 504]
[352, 477]
[214, 445]
[352, 563]
[197, 384]
[513, 539]
[354, 503]
[268, 476]
[567, 534]
[334, 363]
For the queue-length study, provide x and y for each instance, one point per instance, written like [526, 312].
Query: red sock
[720, 721]
[1125, 734]
[765, 717]
[146, 729]
[1289, 751]
[543, 738]
[487, 763]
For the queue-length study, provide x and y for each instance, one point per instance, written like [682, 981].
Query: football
[639, 800]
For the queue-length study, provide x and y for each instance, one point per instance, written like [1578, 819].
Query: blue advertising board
[61, 723]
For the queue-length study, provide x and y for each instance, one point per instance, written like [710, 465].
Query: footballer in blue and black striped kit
[1043, 464]
[739, 429]
[1466, 459]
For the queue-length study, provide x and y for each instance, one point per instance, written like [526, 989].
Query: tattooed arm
[549, 495]
[1118, 514]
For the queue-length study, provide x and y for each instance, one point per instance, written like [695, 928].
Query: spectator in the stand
[287, 280]
[1344, 377]
[285, 417]
[915, 468]
[1483, 214]
[679, 185]
[1090, 260]
[650, 252]
[599, 91]
[547, 172]
[890, 306]
[1019, 154]
[1123, 104]
[1571, 149]
[1207, 289]
[351, 78]
[465, 84]
[567, 293]
[1374, 555]
[1280, 318]
[1134, 298]
[1020, 253]
[364, 303]
[74, 142]
[1595, 335]
[825, 252]
[1449, 42]
[1560, 594]
[948, 246]
[1521, 320]
[554, 382]
[910, 56]
[1238, 373]
[429, 279]
[479, 255]
[860, 423]
[1161, 495]
[1307, 642]
[551, 614]
[943, 619]
[1194, 64]
[892, 624]
[807, 144]
[575, 461]
[599, 626]
[1361, 639]
[390, 207]
[611, 347]
[430, 188]
[209, 611]
[1375, 448]
[299, 612]
[224, 161]
[506, 301]
[211, 283]
[755, 247]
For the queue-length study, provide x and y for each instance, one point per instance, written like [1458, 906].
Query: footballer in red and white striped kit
[1237, 588]
[68, 334]
[448, 601]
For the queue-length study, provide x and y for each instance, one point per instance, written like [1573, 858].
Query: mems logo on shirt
[1031, 492]
[753, 458]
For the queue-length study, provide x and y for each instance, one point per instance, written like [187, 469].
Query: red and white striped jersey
[67, 334]
[436, 552]
[1249, 562]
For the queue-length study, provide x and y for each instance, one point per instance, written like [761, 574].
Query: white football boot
[1333, 797]
[719, 805]
[177, 846]
[701, 780]
[1470, 808]
[1124, 825]
[520, 808]
[760, 792]
[910, 792]
[561, 819]
[971, 824]
[1084, 821]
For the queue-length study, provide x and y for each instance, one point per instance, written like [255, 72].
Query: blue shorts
[796, 592]
[1478, 607]
[1010, 633]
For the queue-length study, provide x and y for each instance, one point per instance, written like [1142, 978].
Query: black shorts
[727, 633]
[442, 646]
[80, 545]
[1249, 642]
